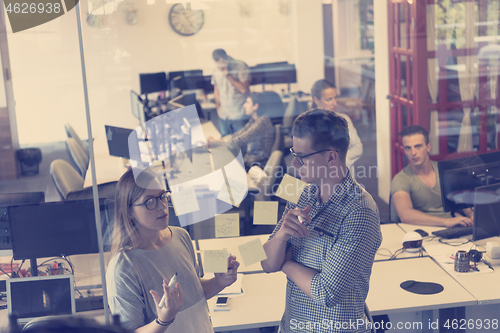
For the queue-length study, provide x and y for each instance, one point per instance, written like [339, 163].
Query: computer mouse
[421, 232]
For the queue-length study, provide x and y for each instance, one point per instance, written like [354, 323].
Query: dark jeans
[230, 126]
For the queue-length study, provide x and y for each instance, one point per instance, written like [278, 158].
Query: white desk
[386, 296]
[262, 305]
[232, 244]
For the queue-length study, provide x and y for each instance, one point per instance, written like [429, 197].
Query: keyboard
[453, 232]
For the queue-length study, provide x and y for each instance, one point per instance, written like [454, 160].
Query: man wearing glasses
[325, 243]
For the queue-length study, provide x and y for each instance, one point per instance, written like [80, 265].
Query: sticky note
[185, 201]
[237, 194]
[252, 252]
[227, 225]
[265, 212]
[215, 261]
[290, 188]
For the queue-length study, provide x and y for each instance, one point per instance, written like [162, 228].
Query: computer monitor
[460, 177]
[117, 138]
[187, 80]
[153, 82]
[487, 213]
[54, 229]
[11, 199]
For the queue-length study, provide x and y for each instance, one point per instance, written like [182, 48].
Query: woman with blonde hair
[145, 255]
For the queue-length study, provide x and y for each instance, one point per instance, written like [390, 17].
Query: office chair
[264, 179]
[70, 132]
[65, 177]
[278, 138]
[77, 155]
[104, 190]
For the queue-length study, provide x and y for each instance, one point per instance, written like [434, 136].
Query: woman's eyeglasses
[152, 203]
[301, 158]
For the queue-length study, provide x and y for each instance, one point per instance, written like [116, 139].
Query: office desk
[262, 305]
[386, 296]
[232, 244]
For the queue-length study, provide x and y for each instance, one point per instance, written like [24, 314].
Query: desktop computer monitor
[460, 177]
[117, 138]
[153, 82]
[487, 214]
[11, 199]
[54, 229]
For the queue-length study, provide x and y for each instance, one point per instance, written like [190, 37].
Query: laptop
[38, 296]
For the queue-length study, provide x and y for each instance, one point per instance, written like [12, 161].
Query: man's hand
[228, 278]
[291, 225]
[458, 220]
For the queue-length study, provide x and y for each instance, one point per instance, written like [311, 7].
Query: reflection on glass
[403, 79]
[402, 25]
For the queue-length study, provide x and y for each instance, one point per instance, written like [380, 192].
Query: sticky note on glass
[185, 201]
[233, 192]
[290, 188]
[265, 212]
[215, 261]
[252, 252]
[227, 225]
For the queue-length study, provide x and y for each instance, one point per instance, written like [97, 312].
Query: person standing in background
[231, 80]
[324, 94]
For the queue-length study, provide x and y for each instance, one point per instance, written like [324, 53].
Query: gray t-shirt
[231, 99]
[423, 198]
[132, 274]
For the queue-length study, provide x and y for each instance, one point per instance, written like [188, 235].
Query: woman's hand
[173, 301]
[228, 278]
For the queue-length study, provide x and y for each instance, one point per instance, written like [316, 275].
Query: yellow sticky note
[252, 252]
[238, 191]
[265, 212]
[215, 261]
[185, 201]
[290, 188]
[227, 225]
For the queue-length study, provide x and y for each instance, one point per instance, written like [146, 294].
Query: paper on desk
[252, 252]
[227, 225]
[290, 188]
[448, 264]
[238, 192]
[215, 261]
[265, 212]
[185, 201]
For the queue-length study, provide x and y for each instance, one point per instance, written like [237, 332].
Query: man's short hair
[326, 129]
[415, 129]
[219, 54]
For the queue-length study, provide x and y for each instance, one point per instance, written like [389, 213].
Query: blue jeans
[231, 126]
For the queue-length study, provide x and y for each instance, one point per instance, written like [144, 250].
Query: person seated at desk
[324, 95]
[146, 253]
[256, 138]
[415, 190]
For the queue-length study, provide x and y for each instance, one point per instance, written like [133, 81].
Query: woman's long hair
[125, 235]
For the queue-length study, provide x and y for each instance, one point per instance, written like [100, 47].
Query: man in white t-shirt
[231, 80]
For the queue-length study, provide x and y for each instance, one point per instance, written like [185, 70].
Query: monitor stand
[34, 267]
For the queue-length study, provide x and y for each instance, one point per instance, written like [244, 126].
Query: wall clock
[184, 20]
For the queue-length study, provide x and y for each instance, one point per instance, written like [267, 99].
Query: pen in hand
[171, 284]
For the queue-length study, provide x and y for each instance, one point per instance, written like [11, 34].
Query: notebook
[38, 296]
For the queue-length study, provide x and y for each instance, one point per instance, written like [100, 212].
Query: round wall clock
[184, 20]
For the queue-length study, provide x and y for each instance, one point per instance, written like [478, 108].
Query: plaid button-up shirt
[344, 237]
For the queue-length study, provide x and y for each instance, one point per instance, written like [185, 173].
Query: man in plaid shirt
[326, 243]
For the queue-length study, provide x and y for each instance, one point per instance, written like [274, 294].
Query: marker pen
[171, 284]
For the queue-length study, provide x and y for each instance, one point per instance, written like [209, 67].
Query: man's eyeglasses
[301, 158]
[152, 203]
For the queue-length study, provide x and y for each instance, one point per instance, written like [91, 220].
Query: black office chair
[67, 324]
